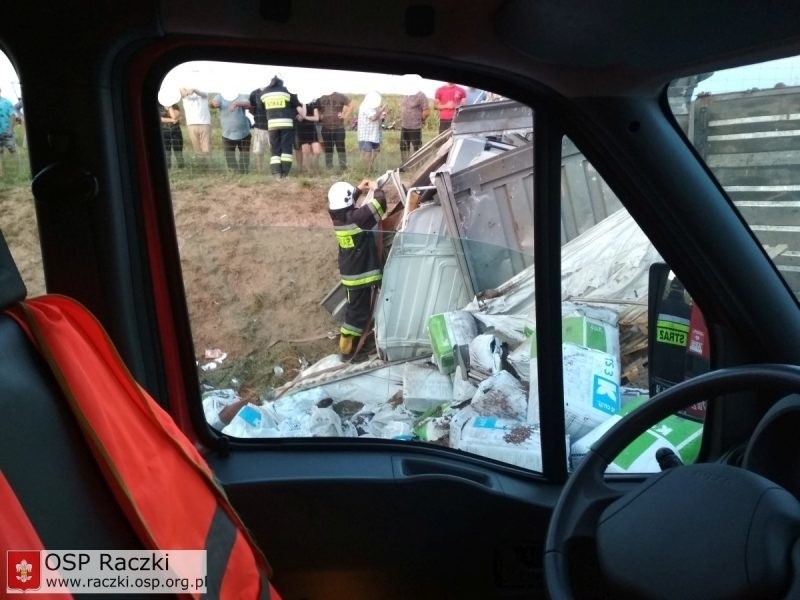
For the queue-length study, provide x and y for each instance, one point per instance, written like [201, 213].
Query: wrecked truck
[454, 321]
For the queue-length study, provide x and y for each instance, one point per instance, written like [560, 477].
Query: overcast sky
[221, 77]
[228, 77]
[762, 76]
[242, 78]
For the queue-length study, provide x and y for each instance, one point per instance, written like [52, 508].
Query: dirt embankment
[257, 257]
[257, 261]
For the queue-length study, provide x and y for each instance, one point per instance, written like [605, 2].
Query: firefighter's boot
[347, 346]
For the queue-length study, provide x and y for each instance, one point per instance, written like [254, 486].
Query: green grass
[16, 167]
[195, 172]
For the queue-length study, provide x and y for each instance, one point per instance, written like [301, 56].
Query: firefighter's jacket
[359, 263]
[280, 105]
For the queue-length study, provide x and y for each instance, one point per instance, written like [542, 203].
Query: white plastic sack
[383, 422]
[324, 422]
[463, 389]
[520, 359]
[371, 388]
[294, 405]
[482, 353]
[252, 422]
[510, 328]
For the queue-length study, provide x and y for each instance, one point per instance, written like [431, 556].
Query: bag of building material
[589, 326]
[425, 387]
[450, 334]
[591, 389]
[513, 442]
[502, 396]
[507, 440]
[591, 368]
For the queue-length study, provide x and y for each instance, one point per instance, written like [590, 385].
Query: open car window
[629, 329]
[745, 125]
[415, 319]
[17, 215]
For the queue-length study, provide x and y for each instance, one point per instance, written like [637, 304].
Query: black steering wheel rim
[586, 488]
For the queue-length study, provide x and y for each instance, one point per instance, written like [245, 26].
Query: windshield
[357, 255]
[745, 124]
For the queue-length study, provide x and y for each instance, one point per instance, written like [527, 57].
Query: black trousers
[357, 313]
[281, 142]
[334, 138]
[242, 165]
[173, 142]
[410, 139]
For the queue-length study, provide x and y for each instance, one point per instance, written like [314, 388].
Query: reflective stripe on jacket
[359, 263]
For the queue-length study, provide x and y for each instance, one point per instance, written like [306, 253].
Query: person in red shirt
[446, 100]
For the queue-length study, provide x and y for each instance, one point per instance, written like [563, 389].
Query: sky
[762, 76]
[9, 82]
[242, 78]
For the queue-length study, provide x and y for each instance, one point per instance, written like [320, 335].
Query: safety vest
[359, 263]
[162, 484]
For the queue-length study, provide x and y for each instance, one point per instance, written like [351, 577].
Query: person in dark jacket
[360, 266]
[282, 110]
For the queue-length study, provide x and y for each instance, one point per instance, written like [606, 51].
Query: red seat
[123, 475]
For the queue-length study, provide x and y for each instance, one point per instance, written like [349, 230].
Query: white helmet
[341, 195]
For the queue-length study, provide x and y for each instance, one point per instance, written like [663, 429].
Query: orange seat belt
[163, 485]
[18, 540]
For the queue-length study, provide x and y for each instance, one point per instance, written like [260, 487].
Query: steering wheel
[694, 531]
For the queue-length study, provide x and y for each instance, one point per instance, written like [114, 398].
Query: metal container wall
[752, 142]
[421, 278]
[585, 198]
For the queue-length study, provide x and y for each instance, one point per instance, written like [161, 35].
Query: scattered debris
[216, 356]
[456, 330]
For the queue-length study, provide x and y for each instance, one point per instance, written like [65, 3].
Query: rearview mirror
[678, 342]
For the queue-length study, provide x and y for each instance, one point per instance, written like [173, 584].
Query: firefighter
[282, 108]
[359, 261]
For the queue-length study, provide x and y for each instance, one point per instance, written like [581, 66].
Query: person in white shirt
[198, 121]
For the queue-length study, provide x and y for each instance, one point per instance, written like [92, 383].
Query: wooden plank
[754, 159]
[770, 119]
[752, 145]
[767, 177]
[748, 104]
[764, 216]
